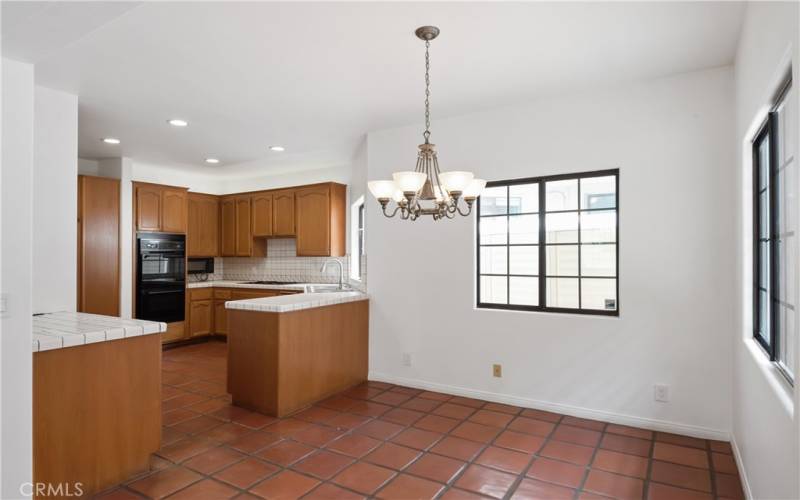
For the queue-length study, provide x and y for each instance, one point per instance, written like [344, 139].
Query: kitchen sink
[326, 289]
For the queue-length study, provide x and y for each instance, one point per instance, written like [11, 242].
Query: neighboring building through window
[775, 272]
[550, 244]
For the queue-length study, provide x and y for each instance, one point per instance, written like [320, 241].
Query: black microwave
[204, 265]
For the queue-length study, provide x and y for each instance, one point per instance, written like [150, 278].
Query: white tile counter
[67, 329]
[239, 284]
[296, 302]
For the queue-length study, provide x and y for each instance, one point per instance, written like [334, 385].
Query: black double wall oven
[160, 276]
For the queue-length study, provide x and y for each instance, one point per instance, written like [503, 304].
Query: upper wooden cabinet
[173, 210]
[236, 228]
[202, 236]
[160, 208]
[261, 204]
[320, 214]
[283, 215]
[148, 207]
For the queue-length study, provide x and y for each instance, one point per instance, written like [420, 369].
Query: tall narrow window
[775, 233]
[549, 244]
[357, 239]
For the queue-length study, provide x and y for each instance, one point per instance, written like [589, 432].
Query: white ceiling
[314, 77]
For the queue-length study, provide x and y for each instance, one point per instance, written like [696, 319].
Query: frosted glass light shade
[409, 181]
[398, 196]
[382, 189]
[474, 189]
[456, 180]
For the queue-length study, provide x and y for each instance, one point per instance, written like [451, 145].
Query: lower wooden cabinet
[206, 313]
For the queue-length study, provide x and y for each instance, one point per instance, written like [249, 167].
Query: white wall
[671, 140]
[341, 173]
[55, 201]
[16, 181]
[765, 423]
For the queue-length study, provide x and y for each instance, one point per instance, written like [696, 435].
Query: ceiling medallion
[427, 190]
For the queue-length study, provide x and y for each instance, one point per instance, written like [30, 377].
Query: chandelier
[427, 190]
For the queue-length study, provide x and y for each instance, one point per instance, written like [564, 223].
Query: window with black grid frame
[550, 244]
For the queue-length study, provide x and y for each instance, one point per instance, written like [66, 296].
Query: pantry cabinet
[283, 212]
[160, 208]
[320, 220]
[202, 236]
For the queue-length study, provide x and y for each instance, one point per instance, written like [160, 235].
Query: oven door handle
[160, 292]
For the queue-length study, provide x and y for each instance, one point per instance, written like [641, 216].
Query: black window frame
[361, 214]
[767, 132]
[542, 245]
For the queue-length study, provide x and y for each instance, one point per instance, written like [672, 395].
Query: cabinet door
[148, 208]
[244, 238]
[283, 212]
[228, 227]
[202, 235]
[220, 318]
[313, 221]
[173, 210]
[262, 214]
[201, 317]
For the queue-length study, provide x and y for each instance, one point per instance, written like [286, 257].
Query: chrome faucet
[341, 271]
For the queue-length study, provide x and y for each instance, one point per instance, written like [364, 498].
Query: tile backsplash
[283, 264]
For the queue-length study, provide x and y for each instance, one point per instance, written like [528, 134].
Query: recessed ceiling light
[212, 160]
[277, 148]
[177, 122]
[111, 140]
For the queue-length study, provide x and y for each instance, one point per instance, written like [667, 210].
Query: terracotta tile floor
[384, 441]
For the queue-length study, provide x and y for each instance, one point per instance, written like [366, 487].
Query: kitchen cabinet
[320, 220]
[148, 207]
[283, 212]
[173, 210]
[220, 317]
[228, 227]
[244, 235]
[202, 236]
[160, 208]
[261, 204]
[201, 317]
[98, 245]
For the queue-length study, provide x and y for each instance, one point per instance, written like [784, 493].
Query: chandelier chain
[427, 133]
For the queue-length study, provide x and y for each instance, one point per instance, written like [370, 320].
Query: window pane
[494, 260]
[562, 292]
[764, 269]
[494, 290]
[524, 228]
[763, 209]
[599, 192]
[599, 294]
[524, 260]
[763, 163]
[598, 260]
[562, 195]
[786, 351]
[599, 227]
[524, 291]
[764, 308]
[561, 228]
[562, 260]
[523, 198]
[493, 230]
[493, 200]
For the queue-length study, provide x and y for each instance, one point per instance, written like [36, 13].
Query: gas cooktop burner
[270, 283]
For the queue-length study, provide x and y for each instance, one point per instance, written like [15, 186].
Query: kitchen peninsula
[289, 351]
[96, 398]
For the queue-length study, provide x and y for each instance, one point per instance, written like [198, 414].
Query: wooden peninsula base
[280, 362]
[96, 412]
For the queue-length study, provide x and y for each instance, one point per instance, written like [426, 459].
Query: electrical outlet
[661, 393]
[406, 359]
[497, 370]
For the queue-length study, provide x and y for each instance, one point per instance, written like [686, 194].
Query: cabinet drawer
[200, 293]
[222, 294]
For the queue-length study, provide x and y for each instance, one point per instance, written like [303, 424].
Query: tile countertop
[296, 302]
[68, 329]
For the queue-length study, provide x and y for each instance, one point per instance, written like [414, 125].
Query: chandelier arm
[469, 210]
[394, 212]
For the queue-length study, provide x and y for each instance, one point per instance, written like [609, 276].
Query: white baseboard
[576, 411]
[748, 494]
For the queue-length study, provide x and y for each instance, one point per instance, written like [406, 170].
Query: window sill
[548, 314]
[774, 376]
